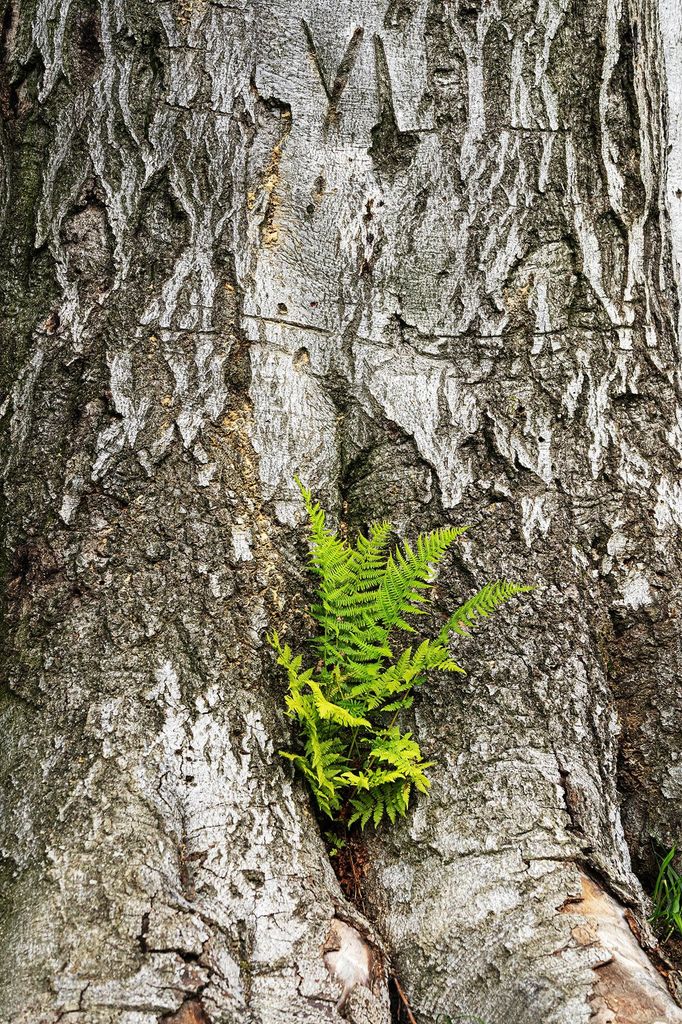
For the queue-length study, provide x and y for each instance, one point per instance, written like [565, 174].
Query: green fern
[359, 765]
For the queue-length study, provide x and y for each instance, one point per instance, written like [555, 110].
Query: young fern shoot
[358, 763]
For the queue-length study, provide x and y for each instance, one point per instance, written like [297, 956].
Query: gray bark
[427, 253]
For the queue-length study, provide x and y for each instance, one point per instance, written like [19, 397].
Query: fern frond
[398, 705]
[482, 604]
[409, 572]
[369, 558]
[401, 751]
[358, 779]
[363, 807]
[355, 766]
[329, 554]
[389, 797]
[334, 712]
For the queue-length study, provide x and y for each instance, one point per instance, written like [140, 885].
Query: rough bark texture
[428, 253]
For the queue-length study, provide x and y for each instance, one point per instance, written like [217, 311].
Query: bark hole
[88, 42]
[302, 358]
[87, 242]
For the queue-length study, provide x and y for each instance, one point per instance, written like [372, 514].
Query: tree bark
[428, 254]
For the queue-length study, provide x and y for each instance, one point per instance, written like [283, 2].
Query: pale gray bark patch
[418, 252]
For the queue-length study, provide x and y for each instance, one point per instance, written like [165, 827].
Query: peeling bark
[628, 986]
[427, 254]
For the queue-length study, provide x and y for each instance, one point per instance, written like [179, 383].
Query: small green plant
[667, 896]
[358, 763]
[334, 843]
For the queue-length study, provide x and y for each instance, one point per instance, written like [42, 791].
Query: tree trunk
[428, 254]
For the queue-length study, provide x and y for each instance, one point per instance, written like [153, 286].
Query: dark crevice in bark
[85, 54]
[10, 23]
[392, 150]
[144, 931]
[350, 864]
[401, 1011]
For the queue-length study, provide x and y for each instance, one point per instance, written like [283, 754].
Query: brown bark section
[628, 987]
